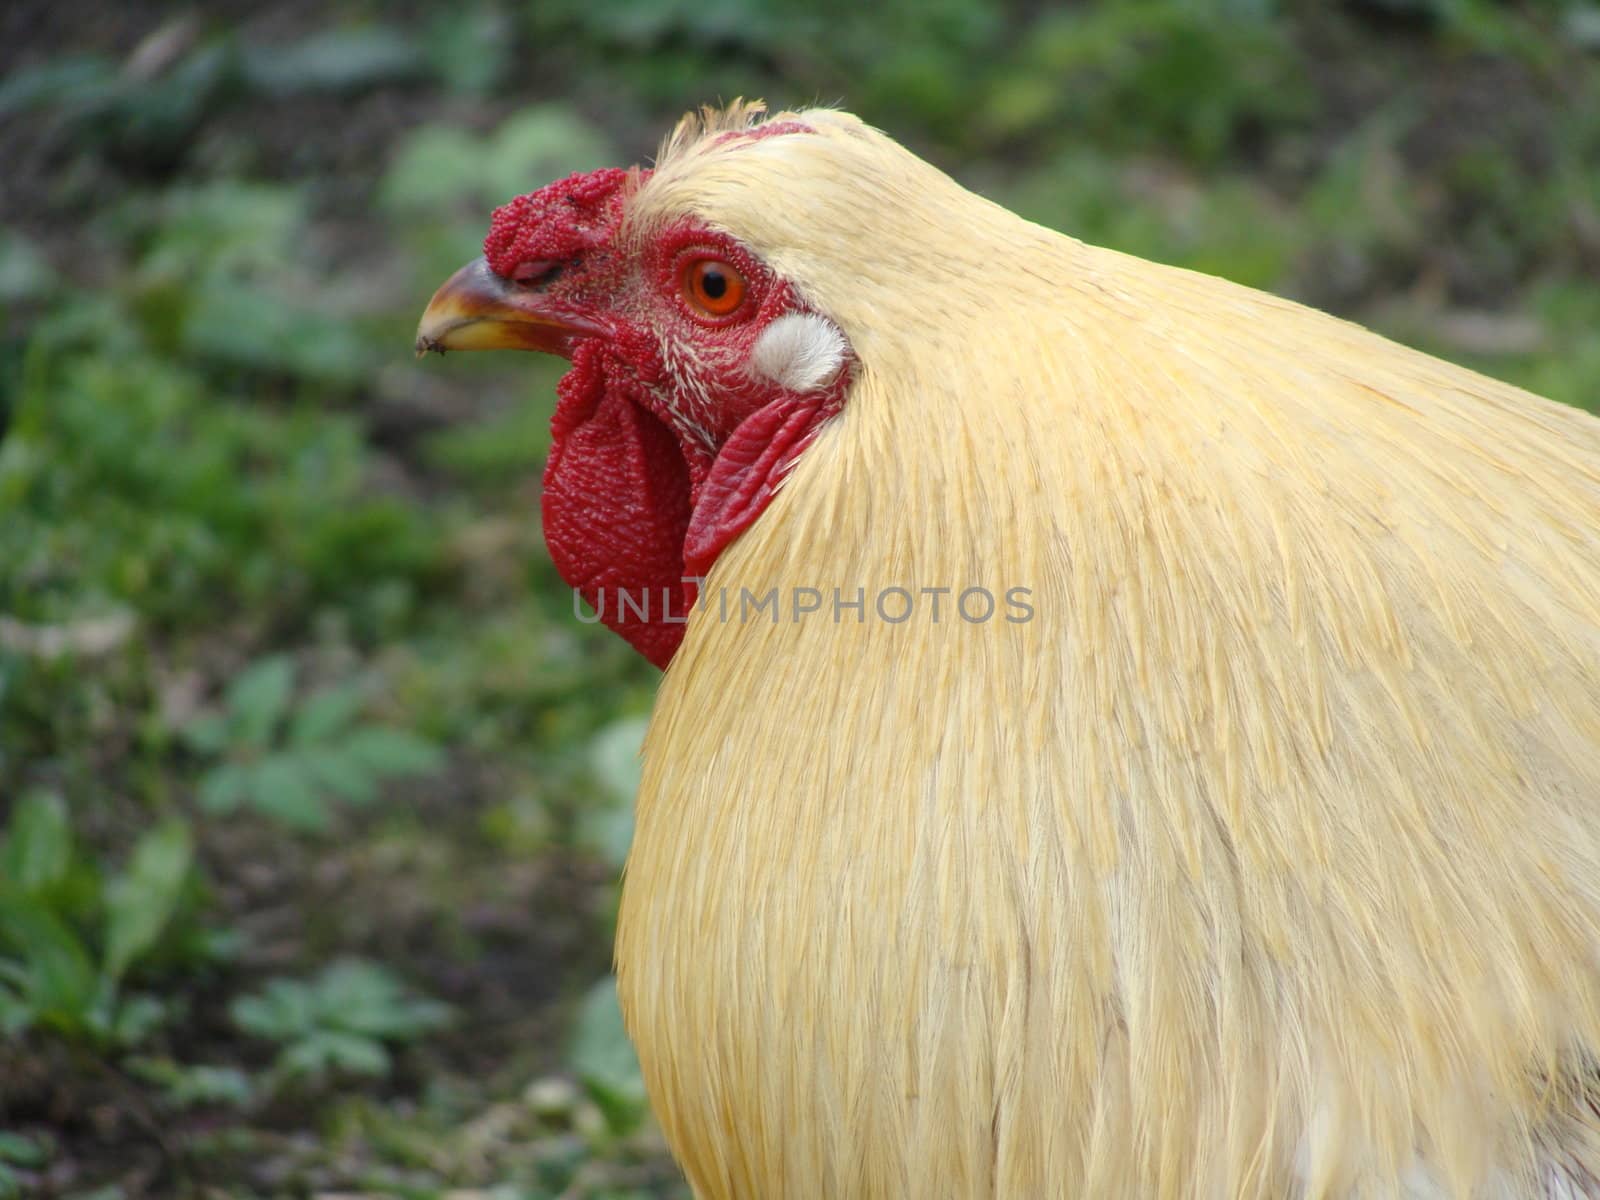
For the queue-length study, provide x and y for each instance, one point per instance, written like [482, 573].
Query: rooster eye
[714, 287]
[537, 274]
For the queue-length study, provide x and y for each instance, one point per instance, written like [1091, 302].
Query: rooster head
[698, 376]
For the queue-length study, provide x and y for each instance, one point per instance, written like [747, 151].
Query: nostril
[537, 272]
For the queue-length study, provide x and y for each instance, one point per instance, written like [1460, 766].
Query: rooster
[1123, 734]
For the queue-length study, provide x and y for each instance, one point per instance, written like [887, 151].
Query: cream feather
[1264, 860]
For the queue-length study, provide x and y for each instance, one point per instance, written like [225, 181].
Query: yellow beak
[475, 309]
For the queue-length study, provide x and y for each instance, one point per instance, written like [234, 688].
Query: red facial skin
[665, 446]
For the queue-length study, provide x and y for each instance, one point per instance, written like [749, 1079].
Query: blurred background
[313, 792]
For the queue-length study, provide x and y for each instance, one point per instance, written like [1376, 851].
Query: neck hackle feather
[1263, 860]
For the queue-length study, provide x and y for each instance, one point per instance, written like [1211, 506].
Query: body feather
[1262, 860]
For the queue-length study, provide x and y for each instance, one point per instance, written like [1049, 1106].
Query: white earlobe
[800, 352]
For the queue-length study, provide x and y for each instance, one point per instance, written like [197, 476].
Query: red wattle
[745, 475]
[617, 514]
[616, 507]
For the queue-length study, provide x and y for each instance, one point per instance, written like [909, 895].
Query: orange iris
[714, 287]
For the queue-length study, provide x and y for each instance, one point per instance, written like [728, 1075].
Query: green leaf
[281, 1011]
[604, 1060]
[435, 167]
[281, 788]
[137, 1017]
[614, 758]
[247, 325]
[38, 849]
[541, 142]
[225, 226]
[330, 1050]
[16, 1014]
[208, 734]
[351, 1001]
[192, 1086]
[55, 975]
[224, 788]
[388, 751]
[259, 697]
[470, 48]
[336, 60]
[341, 773]
[141, 900]
[607, 825]
[362, 997]
[440, 167]
[24, 274]
[57, 81]
[326, 713]
[109, 1191]
[24, 1151]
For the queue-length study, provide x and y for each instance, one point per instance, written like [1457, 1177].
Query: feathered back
[1264, 859]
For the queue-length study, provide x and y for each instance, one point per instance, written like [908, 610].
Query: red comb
[558, 222]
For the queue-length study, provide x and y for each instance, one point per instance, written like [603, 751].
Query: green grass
[286, 677]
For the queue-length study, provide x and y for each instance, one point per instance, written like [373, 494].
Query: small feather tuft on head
[709, 120]
[743, 121]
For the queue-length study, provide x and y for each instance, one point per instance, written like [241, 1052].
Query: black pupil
[714, 283]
